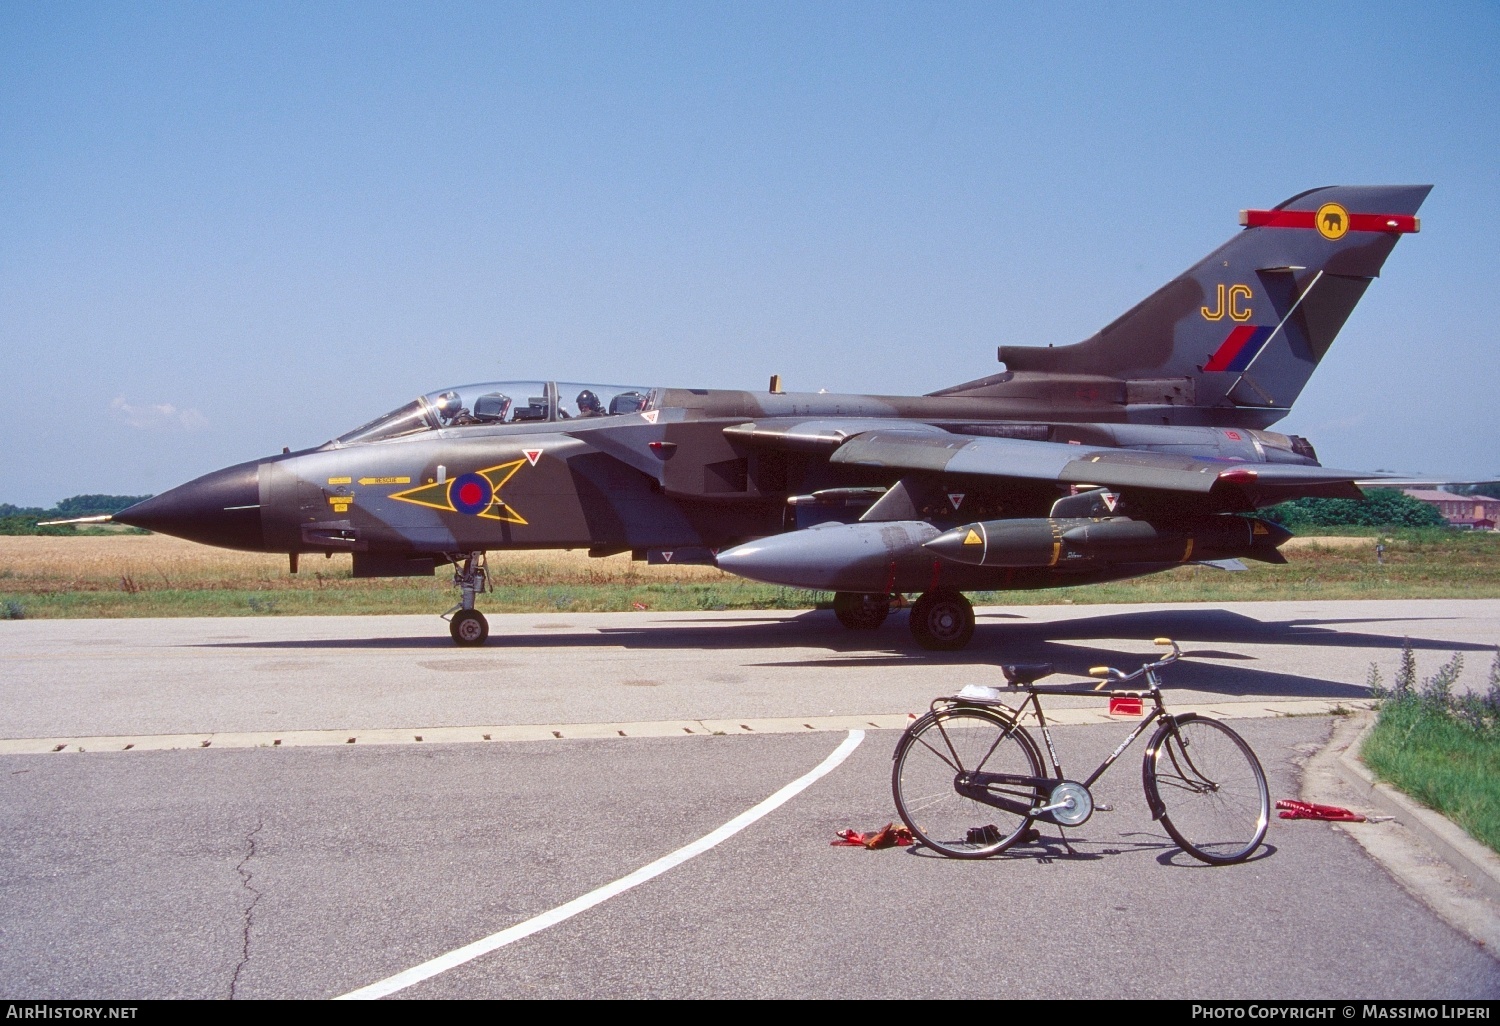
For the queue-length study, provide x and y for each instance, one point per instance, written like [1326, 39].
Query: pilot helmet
[588, 402]
[448, 404]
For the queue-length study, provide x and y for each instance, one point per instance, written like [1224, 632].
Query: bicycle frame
[1212, 800]
[975, 784]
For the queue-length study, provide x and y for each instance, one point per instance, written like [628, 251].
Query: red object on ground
[1292, 809]
[888, 836]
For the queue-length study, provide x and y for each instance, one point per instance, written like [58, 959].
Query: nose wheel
[468, 625]
[942, 621]
[469, 628]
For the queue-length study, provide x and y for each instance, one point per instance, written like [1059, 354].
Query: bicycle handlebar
[1110, 674]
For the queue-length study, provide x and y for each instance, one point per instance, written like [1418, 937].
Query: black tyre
[942, 621]
[469, 628]
[934, 762]
[861, 611]
[1205, 784]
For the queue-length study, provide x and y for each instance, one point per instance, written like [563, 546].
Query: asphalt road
[177, 870]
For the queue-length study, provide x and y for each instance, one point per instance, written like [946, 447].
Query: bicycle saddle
[1026, 673]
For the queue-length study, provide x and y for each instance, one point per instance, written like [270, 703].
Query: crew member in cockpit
[589, 404]
[450, 407]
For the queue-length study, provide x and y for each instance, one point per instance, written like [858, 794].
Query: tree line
[23, 519]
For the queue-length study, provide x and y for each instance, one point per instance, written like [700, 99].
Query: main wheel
[942, 620]
[861, 611]
[934, 763]
[1208, 789]
[469, 627]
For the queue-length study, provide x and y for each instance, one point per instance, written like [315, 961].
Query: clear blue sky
[225, 228]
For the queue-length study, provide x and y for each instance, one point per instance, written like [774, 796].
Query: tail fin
[1236, 337]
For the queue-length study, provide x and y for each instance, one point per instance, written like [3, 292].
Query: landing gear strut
[861, 611]
[467, 624]
[942, 621]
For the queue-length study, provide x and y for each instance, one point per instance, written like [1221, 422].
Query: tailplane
[1234, 339]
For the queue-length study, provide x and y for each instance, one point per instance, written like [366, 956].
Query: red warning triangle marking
[1111, 499]
[957, 498]
[650, 416]
[667, 556]
[532, 455]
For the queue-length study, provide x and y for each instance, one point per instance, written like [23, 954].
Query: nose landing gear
[467, 624]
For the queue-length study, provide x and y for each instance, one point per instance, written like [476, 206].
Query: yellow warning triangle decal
[972, 538]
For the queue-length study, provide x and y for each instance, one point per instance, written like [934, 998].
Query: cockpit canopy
[503, 402]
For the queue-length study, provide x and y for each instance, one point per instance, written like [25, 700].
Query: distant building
[1470, 524]
[1476, 512]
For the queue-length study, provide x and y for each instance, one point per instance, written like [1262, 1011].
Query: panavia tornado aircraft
[1136, 450]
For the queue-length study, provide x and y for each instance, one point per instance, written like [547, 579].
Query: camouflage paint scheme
[1159, 420]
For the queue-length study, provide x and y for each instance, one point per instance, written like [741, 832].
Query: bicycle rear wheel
[937, 753]
[1205, 784]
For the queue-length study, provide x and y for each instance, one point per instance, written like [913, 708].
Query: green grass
[347, 597]
[1441, 748]
[129, 575]
[1443, 762]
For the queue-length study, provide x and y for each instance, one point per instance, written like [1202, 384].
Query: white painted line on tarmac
[469, 952]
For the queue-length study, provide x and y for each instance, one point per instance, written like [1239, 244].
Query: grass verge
[152, 575]
[1441, 748]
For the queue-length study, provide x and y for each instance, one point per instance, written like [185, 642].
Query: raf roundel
[470, 494]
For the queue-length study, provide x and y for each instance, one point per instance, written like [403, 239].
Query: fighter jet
[1139, 449]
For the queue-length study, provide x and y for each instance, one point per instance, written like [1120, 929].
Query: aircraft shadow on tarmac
[1051, 641]
[1056, 642]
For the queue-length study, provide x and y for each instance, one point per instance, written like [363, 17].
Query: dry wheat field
[154, 575]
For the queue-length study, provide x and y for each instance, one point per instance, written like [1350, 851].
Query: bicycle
[969, 780]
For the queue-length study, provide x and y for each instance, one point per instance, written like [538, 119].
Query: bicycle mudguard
[1153, 800]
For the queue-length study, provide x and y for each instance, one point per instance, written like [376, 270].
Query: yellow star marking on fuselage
[435, 495]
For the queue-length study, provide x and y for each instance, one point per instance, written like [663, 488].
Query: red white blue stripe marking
[1242, 345]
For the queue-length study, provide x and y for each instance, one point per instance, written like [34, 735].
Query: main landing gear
[940, 620]
[467, 624]
[861, 611]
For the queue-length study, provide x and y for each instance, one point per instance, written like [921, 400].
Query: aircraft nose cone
[222, 508]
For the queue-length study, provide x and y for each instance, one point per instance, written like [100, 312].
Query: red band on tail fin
[1401, 224]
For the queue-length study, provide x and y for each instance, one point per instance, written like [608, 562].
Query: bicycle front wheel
[1205, 784]
[936, 764]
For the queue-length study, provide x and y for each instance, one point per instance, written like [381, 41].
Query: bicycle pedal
[1104, 808]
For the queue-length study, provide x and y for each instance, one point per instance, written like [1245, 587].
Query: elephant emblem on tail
[1332, 221]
